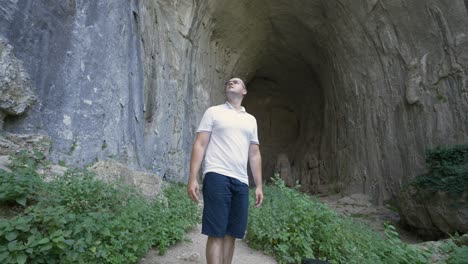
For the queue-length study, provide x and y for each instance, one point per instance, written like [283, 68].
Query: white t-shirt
[232, 132]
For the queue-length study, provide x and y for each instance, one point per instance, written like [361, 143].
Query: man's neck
[235, 103]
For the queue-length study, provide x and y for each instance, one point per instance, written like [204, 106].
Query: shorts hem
[236, 236]
[212, 235]
[226, 234]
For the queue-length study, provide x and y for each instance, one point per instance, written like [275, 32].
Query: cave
[286, 97]
[338, 89]
[348, 95]
[298, 60]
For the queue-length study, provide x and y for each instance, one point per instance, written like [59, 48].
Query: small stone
[194, 256]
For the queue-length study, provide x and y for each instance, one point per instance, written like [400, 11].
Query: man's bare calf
[219, 250]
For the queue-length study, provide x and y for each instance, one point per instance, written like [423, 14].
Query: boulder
[4, 161]
[283, 169]
[149, 184]
[16, 95]
[11, 143]
[434, 214]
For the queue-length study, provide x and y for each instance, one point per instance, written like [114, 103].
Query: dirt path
[193, 251]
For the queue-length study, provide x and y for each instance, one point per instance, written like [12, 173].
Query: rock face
[12, 143]
[283, 170]
[149, 184]
[15, 88]
[352, 92]
[434, 214]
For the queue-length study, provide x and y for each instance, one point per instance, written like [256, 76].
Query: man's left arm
[255, 160]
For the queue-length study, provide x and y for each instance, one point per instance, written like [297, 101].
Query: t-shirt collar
[228, 105]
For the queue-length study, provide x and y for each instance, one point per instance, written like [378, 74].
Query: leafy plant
[455, 248]
[80, 219]
[448, 170]
[22, 184]
[293, 226]
[458, 256]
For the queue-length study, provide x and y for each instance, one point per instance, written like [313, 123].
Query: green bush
[439, 158]
[293, 226]
[22, 184]
[448, 170]
[456, 249]
[80, 219]
[458, 256]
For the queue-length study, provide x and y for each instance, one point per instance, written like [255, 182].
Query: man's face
[235, 86]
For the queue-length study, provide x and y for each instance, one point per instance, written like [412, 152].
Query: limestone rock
[434, 214]
[359, 207]
[355, 204]
[192, 257]
[11, 143]
[4, 161]
[283, 169]
[55, 169]
[149, 184]
[16, 94]
[415, 81]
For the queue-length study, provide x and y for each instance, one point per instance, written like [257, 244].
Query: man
[228, 134]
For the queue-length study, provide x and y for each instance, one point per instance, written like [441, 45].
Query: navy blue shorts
[226, 206]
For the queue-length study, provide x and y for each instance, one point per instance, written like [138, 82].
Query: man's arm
[198, 150]
[255, 160]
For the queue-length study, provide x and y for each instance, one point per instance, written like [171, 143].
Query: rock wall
[350, 92]
[396, 85]
[115, 79]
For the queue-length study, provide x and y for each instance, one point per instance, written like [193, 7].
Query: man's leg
[217, 203]
[229, 243]
[237, 218]
[214, 250]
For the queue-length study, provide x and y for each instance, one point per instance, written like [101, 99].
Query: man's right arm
[198, 151]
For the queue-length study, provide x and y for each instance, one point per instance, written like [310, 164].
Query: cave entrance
[287, 100]
[285, 50]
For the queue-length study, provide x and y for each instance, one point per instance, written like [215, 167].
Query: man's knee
[215, 240]
[229, 238]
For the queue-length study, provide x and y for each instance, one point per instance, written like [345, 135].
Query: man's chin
[233, 95]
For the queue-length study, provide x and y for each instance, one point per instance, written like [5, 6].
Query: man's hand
[258, 197]
[193, 190]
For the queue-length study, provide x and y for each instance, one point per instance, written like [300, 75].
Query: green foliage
[293, 226]
[458, 256]
[73, 147]
[104, 145]
[455, 248]
[80, 219]
[448, 170]
[22, 184]
[441, 98]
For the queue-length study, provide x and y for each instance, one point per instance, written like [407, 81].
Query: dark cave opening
[289, 112]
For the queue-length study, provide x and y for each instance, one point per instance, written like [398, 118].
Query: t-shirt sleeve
[206, 124]
[254, 135]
